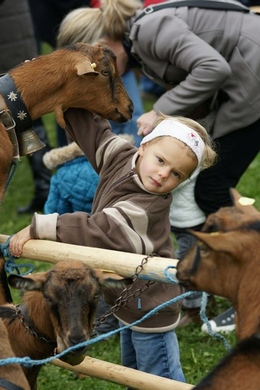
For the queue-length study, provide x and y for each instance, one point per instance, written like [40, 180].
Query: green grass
[199, 352]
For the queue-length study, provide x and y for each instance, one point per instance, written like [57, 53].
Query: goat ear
[111, 280]
[86, 67]
[28, 283]
[219, 242]
[243, 203]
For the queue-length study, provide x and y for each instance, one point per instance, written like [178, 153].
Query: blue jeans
[130, 127]
[153, 353]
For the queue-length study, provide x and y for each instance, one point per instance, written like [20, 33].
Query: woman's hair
[209, 155]
[90, 25]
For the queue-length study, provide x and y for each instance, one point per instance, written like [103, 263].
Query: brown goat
[239, 370]
[224, 262]
[81, 76]
[6, 154]
[11, 373]
[57, 311]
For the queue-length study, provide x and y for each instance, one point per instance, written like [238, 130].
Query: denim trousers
[153, 353]
[130, 127]
[185, 241]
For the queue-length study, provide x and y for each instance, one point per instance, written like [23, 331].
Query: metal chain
[27, 327]
[124, 298]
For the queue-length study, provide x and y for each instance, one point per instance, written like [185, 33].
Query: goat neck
[10, 372]
[6, 154]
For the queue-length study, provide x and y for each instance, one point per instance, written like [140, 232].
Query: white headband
[179, 131]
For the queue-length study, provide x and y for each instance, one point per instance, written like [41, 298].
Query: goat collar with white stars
[15, 104]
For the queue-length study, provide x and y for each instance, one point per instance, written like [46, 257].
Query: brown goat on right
[225, 262]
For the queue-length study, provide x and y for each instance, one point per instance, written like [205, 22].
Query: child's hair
[209, 155]
[90, 25]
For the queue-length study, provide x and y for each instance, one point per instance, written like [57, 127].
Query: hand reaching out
[18, 240]
[145, 122]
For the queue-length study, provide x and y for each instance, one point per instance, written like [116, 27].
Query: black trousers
[235, 153]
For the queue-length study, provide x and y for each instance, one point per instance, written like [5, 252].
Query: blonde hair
[209, 155]
[90, 25]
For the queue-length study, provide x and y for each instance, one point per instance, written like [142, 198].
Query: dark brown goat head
[67, 297]
[81, 76]
[225, 262]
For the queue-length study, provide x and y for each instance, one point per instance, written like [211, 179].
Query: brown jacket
[124, 217]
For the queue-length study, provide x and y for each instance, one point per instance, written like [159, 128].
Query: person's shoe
[34, 206]
[224, 323]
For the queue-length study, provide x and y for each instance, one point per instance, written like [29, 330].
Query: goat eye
[48, 300]
[105, 72]
[204, 250]
[97, 295]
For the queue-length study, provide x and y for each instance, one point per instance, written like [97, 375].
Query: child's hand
[18, 240]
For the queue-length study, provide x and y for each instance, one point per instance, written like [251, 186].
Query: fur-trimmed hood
[59, 156]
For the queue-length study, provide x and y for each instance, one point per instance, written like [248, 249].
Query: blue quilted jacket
[73, 185]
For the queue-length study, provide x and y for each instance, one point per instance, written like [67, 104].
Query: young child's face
[164, 164]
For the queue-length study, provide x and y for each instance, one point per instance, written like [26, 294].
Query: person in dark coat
[17, 44]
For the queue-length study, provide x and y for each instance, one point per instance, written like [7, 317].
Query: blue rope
[10, 264]
[205, 319]
[203, 307]
[28, 362]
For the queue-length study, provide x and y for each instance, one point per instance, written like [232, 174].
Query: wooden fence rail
[123, 375]
[122, 263]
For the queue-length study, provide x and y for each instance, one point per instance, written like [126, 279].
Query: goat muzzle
[123, 118]
[72, 359]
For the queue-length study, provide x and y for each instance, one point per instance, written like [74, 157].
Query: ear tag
[93, 65]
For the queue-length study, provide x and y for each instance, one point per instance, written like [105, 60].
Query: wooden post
[122, 263]
[122, 375]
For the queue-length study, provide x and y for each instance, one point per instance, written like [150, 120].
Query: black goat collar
[15, 104]
[5, 384]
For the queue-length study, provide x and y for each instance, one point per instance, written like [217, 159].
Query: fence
[157, 268]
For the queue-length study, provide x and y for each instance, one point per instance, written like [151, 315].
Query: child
[72, 188]
[131, 213]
